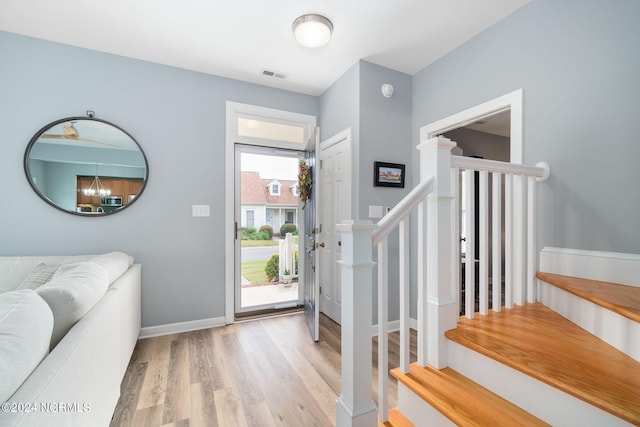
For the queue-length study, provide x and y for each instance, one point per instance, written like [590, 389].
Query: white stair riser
[419, 412]
[614, 329]
[541, 400]
[604, 266]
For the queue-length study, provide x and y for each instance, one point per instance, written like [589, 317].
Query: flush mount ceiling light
[312, 30]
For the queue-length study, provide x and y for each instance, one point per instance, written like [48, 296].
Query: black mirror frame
[49, 201]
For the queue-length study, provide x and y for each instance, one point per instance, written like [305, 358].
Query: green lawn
[254, 243]
[254, 270]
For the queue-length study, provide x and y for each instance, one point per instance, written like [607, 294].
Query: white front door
[335, 207]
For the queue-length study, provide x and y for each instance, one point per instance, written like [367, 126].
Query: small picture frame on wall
[388, 174]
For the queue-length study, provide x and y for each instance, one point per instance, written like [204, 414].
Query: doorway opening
[489, 139]
[270, 135]
[494, 131]
[268, 229]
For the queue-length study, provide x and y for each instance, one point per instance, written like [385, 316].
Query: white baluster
[483, 256]
[508, 241]
[383, 329]
[531, 240]
[456, 266]
[404, 296]
[423, 328]
[496, 240]
[470, 256]
[519, 239]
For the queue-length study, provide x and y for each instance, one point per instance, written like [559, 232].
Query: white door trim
[511, 101]
[235, 110]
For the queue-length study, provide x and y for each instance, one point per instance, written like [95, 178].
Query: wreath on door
[304, 182]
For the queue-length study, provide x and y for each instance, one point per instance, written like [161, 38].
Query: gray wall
[339, 110]
[178, 117]
[385, 135]
[480, 144]
[381, 127]
[578, 64]
[381, 131]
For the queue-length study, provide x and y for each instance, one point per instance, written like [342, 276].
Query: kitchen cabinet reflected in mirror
[86, 166]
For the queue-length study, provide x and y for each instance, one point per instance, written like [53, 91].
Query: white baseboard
[394, 326]
[176, 328]
[604, 266]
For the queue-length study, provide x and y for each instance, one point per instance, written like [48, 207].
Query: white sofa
[78, 382]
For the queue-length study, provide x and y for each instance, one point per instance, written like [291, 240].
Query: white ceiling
[238, 39]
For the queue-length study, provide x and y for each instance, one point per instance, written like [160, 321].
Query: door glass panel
[268, 253]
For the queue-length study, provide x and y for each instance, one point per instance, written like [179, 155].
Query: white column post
[442, 315]
[282, 253]
[289, 257]
[355, 407]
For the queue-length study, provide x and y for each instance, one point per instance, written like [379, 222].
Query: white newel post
[441, 306]
[355, 407]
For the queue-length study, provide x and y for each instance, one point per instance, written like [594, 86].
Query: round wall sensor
[387, 90]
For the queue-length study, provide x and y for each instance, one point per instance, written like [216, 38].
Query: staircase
[531, 349]
[530, 366]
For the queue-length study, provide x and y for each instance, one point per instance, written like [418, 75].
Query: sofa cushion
[40, 275]
[14, 269]
[116, 263]
[26, 323]
[72, 291]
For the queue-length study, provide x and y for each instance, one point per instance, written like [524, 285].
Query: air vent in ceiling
[274, 74]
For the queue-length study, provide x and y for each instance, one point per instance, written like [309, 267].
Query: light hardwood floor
[265, 372]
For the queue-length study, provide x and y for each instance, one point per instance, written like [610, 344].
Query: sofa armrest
[87, 366]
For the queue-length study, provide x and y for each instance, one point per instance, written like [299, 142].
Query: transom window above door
[254, 128]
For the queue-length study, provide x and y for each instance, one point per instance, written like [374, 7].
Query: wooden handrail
[402, 210]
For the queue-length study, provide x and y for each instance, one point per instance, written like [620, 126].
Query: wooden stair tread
[463, 401]
[396, 419]
[540, 343]
[621, 299]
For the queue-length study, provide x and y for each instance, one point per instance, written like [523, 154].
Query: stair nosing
[579, 287]
[475, 396]
[510, 358]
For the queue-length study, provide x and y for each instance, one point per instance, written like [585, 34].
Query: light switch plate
[200, 210]
[375, 211]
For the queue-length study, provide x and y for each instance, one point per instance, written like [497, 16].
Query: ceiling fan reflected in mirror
[69, 131]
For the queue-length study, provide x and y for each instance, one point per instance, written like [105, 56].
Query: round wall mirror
[86, 166]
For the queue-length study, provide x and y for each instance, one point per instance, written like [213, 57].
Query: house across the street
[268, 201]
